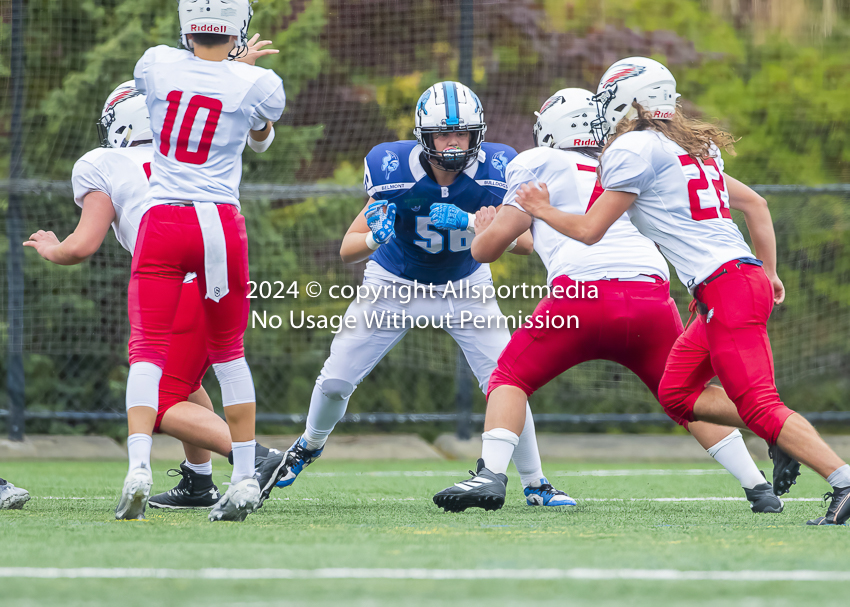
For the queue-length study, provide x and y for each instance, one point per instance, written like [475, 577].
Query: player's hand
[484, 217]
[43, 242]
[778, 289]
[381, 219]
[448, 217]
[534, 199]
[255, 52]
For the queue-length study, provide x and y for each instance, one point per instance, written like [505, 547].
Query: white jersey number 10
[203, 144]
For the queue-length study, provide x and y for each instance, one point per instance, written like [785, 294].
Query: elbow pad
[261, 146]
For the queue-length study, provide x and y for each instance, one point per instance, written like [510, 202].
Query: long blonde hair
[696, 137]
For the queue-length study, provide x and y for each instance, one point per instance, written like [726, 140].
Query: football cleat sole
[459, 503]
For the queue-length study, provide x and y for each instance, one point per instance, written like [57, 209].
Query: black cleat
[270, 468]
[785, 470]
[484, 490]
[763, 500]
[193, 491]
[839, 509]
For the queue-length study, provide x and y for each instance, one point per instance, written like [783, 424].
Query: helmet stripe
[452, 107]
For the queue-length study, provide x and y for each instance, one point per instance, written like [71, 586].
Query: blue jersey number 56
[459, 240]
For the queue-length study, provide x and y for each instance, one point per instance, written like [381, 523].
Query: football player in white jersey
[666, 171]
[631, 320]
[203, 108]
[110, 184]
[417, 228]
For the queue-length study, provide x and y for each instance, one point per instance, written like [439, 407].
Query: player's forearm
[263, 134]
[576, 227]
[70, 251]
[524, 244]
[759, 222]
[355, 247]
[760, 225]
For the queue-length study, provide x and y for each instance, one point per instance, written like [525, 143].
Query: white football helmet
[446, 107]
[566, 121]
[225, 17]
[635, 79]
[125, 118]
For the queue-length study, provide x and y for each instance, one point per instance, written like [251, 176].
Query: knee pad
[678, 402]
[143, 385]
[766, 421]
[337, 389]
[237, 385]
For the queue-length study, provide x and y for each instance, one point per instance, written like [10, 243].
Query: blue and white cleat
[544, 494]
[297, 457]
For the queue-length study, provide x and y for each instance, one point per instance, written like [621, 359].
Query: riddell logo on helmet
[584, 142]
[664, 114]
[209, 29]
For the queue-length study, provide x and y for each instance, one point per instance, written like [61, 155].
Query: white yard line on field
[413, 499]
[667, 575]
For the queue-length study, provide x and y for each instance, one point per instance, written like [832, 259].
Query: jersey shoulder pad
[635, 141]
[493, 165]
[390, 169]
[264, 79]
[165, 54]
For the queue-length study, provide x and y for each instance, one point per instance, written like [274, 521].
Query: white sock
[498, 447]
[243, 460]
[327, 406]
[732, 454]
[840, 478]
[139, 450]
[526, 455]
[203, 469]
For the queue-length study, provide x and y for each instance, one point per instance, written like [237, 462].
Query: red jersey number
[196, 103]
[702, 204]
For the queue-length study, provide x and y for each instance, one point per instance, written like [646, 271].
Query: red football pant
[187, 354]
[631, 323]
[169, 246]
[730, 342]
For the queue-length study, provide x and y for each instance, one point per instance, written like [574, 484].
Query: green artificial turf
[368, 515]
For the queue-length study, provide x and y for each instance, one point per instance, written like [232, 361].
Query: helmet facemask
[451, 160]
[133, 123]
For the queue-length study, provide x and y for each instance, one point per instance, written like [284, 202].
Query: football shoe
[785, 470]
[240, 500]
[763, 499]
[544, 494]
[11, 497]
[193, 491]
[484, 490]
[839, 508]
[298, 457]
[134, 494]
[270, 466]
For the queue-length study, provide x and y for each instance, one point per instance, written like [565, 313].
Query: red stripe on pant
[187, 354]
[631, 323]
[731, 342]
[170, 245]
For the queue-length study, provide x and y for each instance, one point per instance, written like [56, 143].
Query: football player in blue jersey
[417, 229]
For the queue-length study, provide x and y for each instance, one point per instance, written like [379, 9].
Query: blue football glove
[448, 217]
[381, 222]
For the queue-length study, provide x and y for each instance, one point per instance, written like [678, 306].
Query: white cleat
[240, 500]
[11, 497]
[134, 495]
